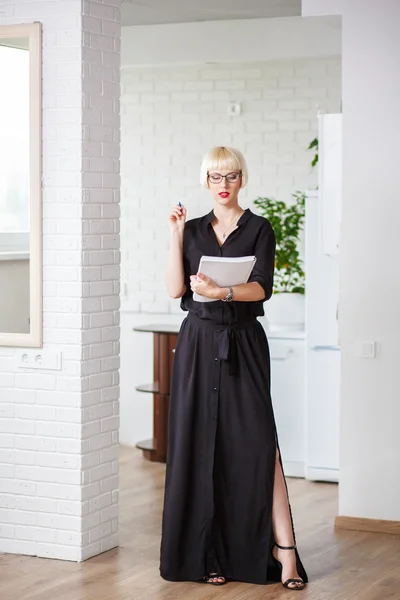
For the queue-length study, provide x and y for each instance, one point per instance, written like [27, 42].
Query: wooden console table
[164, 342]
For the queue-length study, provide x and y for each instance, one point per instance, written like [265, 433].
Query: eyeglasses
[230, 178]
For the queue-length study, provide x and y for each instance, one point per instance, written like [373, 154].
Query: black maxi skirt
[222, 446]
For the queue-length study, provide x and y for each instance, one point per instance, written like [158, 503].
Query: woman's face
[224, 186]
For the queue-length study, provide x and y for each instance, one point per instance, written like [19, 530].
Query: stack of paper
[225, 271]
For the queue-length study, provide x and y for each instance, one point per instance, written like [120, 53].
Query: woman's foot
[215, 579]
[287, 558]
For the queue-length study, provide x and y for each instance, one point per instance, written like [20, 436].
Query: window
[14, 140]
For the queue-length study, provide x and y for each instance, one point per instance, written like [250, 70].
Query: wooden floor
[341, 564]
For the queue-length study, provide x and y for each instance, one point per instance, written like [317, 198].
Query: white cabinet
[305, 385]
[322, 413]
[288, 399]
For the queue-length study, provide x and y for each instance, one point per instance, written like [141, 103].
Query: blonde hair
[222, 158]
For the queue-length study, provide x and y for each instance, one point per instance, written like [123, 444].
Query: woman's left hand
[204, 286]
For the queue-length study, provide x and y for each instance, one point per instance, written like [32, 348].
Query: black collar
[243, 219]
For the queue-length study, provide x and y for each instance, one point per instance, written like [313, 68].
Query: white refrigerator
[322, 380]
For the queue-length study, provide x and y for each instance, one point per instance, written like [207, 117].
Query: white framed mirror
[20, 185]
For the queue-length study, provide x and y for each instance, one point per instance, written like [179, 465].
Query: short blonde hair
[222, 158]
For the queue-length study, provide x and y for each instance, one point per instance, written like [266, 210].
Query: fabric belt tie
[227, 346]
[227, 349]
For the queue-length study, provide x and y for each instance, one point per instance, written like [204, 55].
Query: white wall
[14, 296]
[59, 428]
[370, 282]
[170, 116]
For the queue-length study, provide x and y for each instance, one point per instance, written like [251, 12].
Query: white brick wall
[59, 429]
[171, 116]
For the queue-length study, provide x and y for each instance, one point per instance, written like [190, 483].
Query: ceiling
[157, 12]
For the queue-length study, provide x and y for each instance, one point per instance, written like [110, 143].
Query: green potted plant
[285, 310]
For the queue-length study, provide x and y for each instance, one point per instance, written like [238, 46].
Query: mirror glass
[14, 186]
[20, 188]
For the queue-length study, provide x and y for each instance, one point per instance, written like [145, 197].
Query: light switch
[368, 349]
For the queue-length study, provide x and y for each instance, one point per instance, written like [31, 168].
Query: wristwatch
[229, 296]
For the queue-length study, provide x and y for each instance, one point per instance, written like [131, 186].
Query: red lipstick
[223, 194]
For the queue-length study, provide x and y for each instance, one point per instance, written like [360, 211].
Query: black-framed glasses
[230, 177]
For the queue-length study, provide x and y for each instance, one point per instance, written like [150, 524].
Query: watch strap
[229, 296]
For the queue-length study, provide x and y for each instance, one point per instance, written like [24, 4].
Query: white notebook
[225, 271]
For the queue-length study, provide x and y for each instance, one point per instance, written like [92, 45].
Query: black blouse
[253, 236]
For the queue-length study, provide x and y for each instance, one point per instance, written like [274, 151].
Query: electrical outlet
[234, 109]
[39, 359]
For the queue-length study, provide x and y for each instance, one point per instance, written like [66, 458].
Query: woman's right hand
[177, 219]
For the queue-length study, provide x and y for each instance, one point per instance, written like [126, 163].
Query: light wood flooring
[341, 564]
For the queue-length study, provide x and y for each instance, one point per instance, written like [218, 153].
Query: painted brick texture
[170, 116]
[59, 429]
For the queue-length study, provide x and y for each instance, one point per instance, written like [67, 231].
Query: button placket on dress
[215, 385]
[211, 433]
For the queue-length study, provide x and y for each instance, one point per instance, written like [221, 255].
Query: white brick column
[100, 274]
[59, 429]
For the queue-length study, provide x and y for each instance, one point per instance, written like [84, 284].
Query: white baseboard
[298, 469]
[318, 474]
[292, 468]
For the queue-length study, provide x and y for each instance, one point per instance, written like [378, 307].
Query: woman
[226, 508]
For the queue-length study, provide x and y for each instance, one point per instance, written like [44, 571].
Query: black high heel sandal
[206, 579]
[296, 580]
